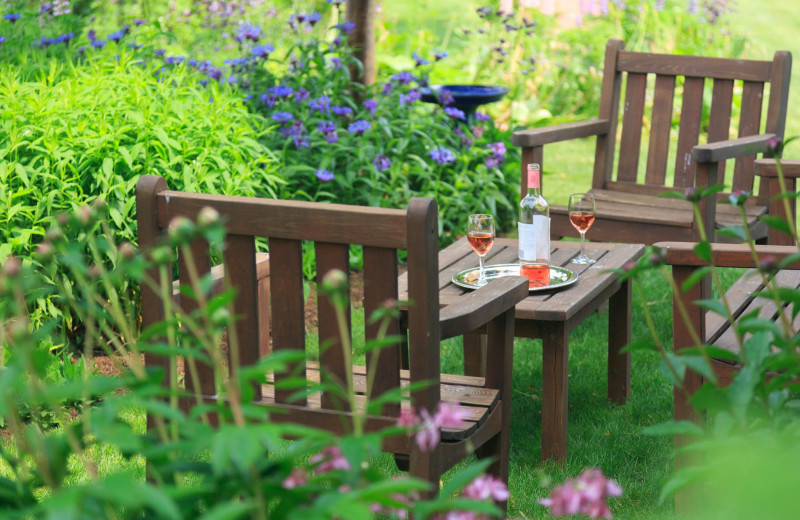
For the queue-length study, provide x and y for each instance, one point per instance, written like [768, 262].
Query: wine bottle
[534, 231]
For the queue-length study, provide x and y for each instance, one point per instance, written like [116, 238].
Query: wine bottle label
[534, 239]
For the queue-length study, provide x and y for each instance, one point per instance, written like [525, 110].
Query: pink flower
[485, 486]
[330, 459]
[450, 416]
[298, 477]
[585, 495]
[407, 419]
[428, 436]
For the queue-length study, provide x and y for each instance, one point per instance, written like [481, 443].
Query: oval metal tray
[559, 276]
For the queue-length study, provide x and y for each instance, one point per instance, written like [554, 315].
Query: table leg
[555, 355]
[619, 335]
[475, 354]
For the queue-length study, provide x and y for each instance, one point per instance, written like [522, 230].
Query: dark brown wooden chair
[659, 88]
[713, 328]
[381, 233]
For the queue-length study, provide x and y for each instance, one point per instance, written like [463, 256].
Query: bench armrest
[730, 149]
[218, 274]
[556, 133]
[769, 168]
[480, 307]
[725, 255]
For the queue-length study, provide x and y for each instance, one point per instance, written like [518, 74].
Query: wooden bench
[629, 208]
[381, 233]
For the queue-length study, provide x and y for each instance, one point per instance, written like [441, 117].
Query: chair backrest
[332, 228]
[705, 92]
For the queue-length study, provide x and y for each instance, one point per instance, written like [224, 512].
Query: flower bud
[54, 234]
[181, 229]
[95, 271]
[657, 258]
[44, 251]
[774, 145]
[768, 264]
[207, 217]
[84, 215]
[63, 219]
[127, 250]
[100, 206]
[692, 194]
[629, 266]
[334, 281]
[161, 255]
[738, 197]
[13, 266]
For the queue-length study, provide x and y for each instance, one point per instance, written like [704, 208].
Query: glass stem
[482, 275]
[583, 238]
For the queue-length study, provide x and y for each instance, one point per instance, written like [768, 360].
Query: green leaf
[715, 306]
[778, 223]
[695, 277]
[733, 232]
[679, 480]
[23, 175]
[703, 250]
[229, 510]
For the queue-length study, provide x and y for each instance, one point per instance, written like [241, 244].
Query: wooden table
[551, 315]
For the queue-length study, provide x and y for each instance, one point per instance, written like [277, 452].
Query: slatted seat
[333, 228]
[658, 88]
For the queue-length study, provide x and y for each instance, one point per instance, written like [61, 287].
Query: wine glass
[481, 237]
[581, 215]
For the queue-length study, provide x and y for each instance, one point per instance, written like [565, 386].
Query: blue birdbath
[466, 97]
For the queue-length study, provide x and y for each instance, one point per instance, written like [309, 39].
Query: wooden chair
[713, 328]
[628, 206]
[381, 233]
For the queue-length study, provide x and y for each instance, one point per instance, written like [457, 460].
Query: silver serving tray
[559, 276]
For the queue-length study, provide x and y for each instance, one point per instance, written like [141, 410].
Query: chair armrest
[565, 132]
[218, 274]
[769, 168]
[725, 255]
[730, 149]
[479, 307]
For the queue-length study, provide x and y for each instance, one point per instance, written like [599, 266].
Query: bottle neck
[534, 182]
[534, 192]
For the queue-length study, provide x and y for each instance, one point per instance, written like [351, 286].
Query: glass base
[583, 260]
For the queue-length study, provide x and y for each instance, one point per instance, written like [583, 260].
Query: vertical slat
[661, 126]
[749, 124]
[631, 141]
[719, 121]
[333, 368]
[380, 286]
[288, 325]
[779, 93]
[201, 378]
[147, 189]
[691, 115]
[423, 292]
[609, 108]
[240, 270]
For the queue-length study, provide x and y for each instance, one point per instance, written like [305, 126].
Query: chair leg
[474, 354]
[426, 466]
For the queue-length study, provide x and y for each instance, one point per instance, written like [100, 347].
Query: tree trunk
[362, 39]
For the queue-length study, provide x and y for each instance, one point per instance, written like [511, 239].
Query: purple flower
[134, 45]
[454, 113]
[359, 127]
[381, 162]
[248, 32]
[440, 55]
[282, 117]
[483, 12]
[336, 63]
[336, 2]
[98, 44]
[2, 39]
[326, 126]
[498, 148]
[214, 73]
[321, 103]
[262, 51]
[65, 38]
[480, 116]
[414, 94]
[116, 36]
[387, 89]
[774, 144]
[12, 17]
[325, 176]
[403, 78]
[174, 60]
[283, 91]
[346, 27]
[268, 99]
[419, 60]
[157, 52]
[92, 35]
[341, 111]
[138, 21]
[493, 161]
[446, 97]
[314, 18]
[371, 105]
[302, 95]
[300, 141]
[332, 137]
[442, 155]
